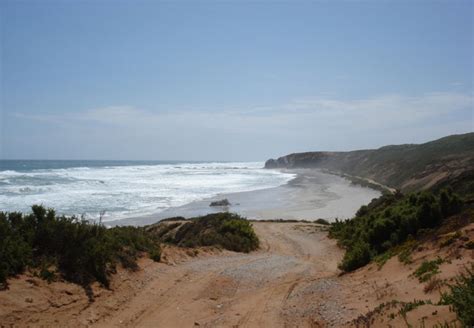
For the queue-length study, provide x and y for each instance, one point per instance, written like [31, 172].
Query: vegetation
[401, 308]
[433, 283]
[404, 167]
[405, 250]
[450, 238]
[461, 297]
[366, 183]
[470, 244]
[82, 252]
[410, 306]
[383, 258]
[225, 230]
[322, 222]
[428, 269]
[164, 229]
[78, 250]
[389, 221]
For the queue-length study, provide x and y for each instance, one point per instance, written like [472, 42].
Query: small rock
[222, 202]
[28, 300]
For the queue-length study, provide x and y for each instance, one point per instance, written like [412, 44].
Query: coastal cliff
[408, 167]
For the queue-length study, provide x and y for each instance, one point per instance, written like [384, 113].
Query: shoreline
[312, 194]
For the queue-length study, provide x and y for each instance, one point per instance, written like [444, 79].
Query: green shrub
[166, 228]
[428, 269]
[389, 221]
[81, 251]
[405, 250]
[322, 222]
[450, 203]
[405, 256]
[461, 297]
[383, 258]
[356, 257]
[47, 272]
[225, 230]
[155, 254]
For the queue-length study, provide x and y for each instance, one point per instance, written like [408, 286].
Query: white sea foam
[130, 191]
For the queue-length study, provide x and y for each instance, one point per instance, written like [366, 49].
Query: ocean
[124, 189]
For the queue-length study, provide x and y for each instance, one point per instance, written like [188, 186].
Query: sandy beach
[311, 195]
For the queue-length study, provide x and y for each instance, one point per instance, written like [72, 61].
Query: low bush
[163, 229]
[389, 221]
[226, 230]
[450, 238]
[428, 269]
[322, 222]
[81, 251]
[383, 258]
[357, 257]
[405, 250]
[461, 297]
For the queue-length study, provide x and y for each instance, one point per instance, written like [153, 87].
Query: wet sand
[311, 195]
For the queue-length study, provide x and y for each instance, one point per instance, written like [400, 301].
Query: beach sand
[311, 195]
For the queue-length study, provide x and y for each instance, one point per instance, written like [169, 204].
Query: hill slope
[406, 167]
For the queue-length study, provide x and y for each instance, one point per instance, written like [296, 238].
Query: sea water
[124, 189]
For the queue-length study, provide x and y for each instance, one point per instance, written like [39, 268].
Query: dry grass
[433, 284]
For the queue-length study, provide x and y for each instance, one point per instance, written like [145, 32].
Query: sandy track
[292, 281]
[236, 290]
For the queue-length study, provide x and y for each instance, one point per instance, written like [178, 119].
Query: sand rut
[236, 290]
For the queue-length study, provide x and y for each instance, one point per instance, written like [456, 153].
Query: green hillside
[432, 165]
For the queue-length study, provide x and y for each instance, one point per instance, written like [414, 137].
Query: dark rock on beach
[222, 202]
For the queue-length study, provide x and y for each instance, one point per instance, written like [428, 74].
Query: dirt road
[238, 290]
[290, 282]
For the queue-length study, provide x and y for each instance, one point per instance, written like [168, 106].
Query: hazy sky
[230, 80]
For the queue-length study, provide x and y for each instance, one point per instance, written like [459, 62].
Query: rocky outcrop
[222, 202]
[301, 160]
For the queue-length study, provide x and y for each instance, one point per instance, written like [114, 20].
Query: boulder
[222, 202]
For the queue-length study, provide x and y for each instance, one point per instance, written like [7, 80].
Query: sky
[230, 80]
